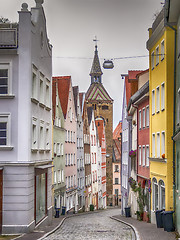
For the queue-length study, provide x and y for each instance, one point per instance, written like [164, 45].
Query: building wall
[162, 120]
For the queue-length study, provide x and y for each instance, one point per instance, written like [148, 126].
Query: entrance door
[1, 198]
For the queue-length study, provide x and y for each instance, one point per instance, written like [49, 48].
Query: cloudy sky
[121, 26]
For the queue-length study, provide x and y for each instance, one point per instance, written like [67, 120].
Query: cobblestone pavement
[95, 226]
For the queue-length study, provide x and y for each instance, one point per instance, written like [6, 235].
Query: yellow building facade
[161, 87]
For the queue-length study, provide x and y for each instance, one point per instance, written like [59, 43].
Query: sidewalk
[146, 231]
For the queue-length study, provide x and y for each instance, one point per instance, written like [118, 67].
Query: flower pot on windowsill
[163, 155]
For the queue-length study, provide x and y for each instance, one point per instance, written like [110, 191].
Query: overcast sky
[121, 27]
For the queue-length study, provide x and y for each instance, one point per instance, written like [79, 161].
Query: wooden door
[1, 198]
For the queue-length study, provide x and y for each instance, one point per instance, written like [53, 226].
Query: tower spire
[96, 68]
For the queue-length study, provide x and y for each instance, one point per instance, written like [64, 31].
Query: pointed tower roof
[96, 68]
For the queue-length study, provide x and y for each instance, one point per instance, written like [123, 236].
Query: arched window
[155, 193]
[161, 194]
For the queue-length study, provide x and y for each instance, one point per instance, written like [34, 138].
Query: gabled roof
[63, 84]
[100, 129]
[117, 131]
[97, 92]
[142, 91]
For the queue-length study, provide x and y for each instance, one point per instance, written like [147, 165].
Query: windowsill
[153, 113]
[162, 59]
[48, 150]
[41, 150]
[6, 148]
[154, 159]
[34, 150]
[7, 96]
[157, 111]
[42, 105]
[34, 100]
[48, 108]
[157, 64]
[162, 109]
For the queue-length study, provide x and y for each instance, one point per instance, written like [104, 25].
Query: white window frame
[7, 65]
[162, 96]
[143, 156]
[153, 144]
[154, 193]
[147, 155]
[161, 186]
[58, 149]
[162, 50]
[152, 60]
[147, 116]
[143, 118]
[41, 88]
[139, 155]
[163, 142]
[47, 137]
[55, 177]
[157, 99]
[153, 101]
[158, 145]
[157, 55]
[6, 117]
[140, 122]
[34, 138]
[41, 136]
[47, 98]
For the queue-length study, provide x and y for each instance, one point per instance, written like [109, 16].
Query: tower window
[104, 107]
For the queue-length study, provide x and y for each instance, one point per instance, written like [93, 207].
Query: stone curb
[137, 236]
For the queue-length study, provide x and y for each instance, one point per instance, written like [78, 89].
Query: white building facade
[25, 122]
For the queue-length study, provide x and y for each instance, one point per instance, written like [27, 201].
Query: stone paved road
[95, 226]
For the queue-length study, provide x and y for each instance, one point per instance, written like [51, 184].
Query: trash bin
[168, 221]
[127, 211]
[57, 213]
[91, 207]
[63, 210]
[159, 218]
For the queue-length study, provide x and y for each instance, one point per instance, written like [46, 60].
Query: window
[155, 194]
[162, 96]
[54, 148]
[3, 132]
[54, 177]
[116, 192]
[47, 139]
[152, 60]
[47, 98]
[71, 159]
[62, 149]
[143, 116]
[163, 143]
[116, 180]
[153, 145]
[41, 89]
[157, 55]
[143, 156]
[157, 100]
[5, 78]
[147, 116]
[66, 159]
[153, 102]
[139, 119]
[104, 107]
[162, 50]
[116, 168]
[58, 149]
[139, 155]
[59, 176]
[34, 133]
[62, 175]
[41, 136]
[95, 158]
[147, 155]
[161, 195]
[158, 144]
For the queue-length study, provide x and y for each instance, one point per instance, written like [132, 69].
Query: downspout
[174, 100]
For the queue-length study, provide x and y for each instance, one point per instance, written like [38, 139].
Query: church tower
[98, 98]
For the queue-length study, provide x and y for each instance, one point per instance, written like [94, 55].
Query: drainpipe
[174, 101]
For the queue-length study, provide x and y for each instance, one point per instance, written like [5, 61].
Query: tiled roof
[117, 131]
[100, 127]
[133, 73]
[63, 84]
[97, 92]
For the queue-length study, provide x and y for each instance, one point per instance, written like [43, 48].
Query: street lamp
[108, 64]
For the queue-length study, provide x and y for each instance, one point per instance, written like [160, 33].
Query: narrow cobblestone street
[93, 226]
